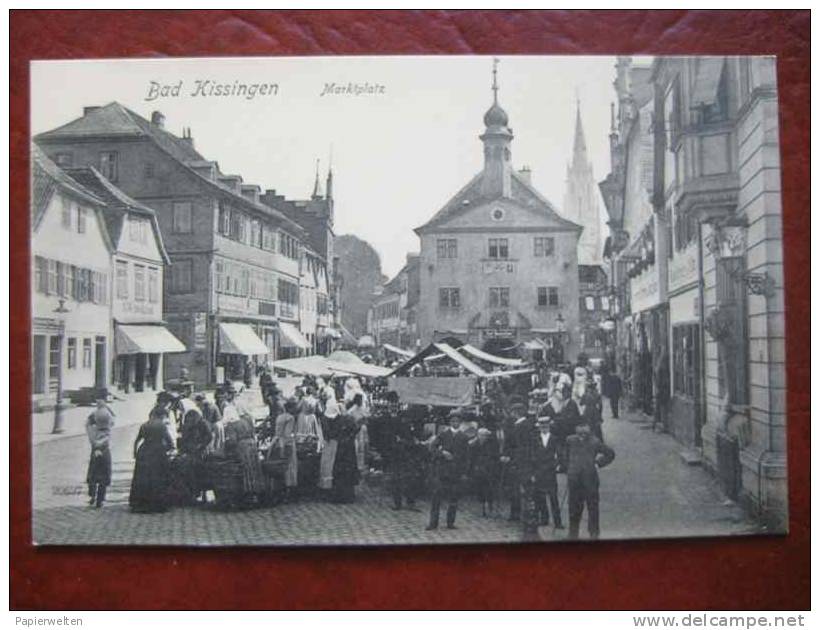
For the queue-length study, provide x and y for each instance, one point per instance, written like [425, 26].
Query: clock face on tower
[497, 214]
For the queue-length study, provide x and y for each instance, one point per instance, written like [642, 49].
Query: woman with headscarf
[329, 425]
[284, 444]
[345, 466]
[240, 444]
[149, 485]
[358, 411]
[309, 441]
[98, 428]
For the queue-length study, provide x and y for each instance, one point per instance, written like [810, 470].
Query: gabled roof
[116, 120]
[46, 177]
[523, 194]
[117, 205]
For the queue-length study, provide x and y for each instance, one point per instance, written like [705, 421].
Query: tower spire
[579, 147]
[329, 182]
[317, 187]
[495, 80]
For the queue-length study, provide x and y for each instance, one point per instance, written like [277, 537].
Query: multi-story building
[393, 316]
[137, 326]
[593, 310]
[498, 263]
[71, 308]
[581, 206]
[716, 200]
[232, 288]
[637, 244]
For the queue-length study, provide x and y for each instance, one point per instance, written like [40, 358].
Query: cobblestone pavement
[648, 491]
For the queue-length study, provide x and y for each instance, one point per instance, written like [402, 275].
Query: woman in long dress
[328, 459]
[284, 445]
[149, 485]
[240, 443]
[346, 467]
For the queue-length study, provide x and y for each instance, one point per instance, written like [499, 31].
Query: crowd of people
[318, 442]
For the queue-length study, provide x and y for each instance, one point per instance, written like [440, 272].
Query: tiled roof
[115, 119]
[46, 176]
[523, 194]
[117, 204]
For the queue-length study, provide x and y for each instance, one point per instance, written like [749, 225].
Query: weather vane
[495, 79]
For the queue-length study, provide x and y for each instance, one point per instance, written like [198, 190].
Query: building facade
[498, 263]
[394, 314]
[137, 270]
[716, 197]
[71, 299]
[232, 289]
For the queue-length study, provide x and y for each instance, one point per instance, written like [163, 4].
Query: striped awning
[240, 339]
[290, 336]
[146, 339]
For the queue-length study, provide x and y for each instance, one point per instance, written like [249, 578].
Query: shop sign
[683, 267]
[200, 330]
[645, 290]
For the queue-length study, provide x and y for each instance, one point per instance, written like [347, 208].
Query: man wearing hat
[449, 471]
[586, 453]
[540, 471]
[518, 425]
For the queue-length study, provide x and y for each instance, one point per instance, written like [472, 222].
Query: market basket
[226, 480]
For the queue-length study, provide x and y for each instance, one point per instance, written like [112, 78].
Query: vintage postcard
[406, 300]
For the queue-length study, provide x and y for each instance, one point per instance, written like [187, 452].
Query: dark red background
[758, 573]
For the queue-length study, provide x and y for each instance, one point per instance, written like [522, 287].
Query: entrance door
[38, 365]
[139, 372]
[99, 363]
[55, 357]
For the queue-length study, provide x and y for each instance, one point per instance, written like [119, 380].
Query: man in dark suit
[586, 453]
[545, 461]
[451, 459]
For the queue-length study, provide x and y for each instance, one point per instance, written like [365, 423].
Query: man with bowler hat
[451, 458]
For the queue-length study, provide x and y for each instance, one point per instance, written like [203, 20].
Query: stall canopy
[337, 363]
[146, 339]
[240, 339]
[290, 336]
[395, 350]
[366, 341]
[454, 391]
[490, 358]
[315, 365]
[442, 350]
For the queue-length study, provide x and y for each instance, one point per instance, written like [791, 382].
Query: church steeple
[496, 180]
[579, 149]
[317, 186]
[581, 197]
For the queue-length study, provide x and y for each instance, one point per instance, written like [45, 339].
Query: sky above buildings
[400, 149]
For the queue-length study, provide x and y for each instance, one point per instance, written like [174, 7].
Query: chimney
[90, 109]
[250, 191]
[158, 119]
[186, 135]
[526, 175]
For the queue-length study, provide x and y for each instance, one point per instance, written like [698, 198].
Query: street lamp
[57, 427]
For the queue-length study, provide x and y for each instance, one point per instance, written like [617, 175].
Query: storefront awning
[289, 336]
[146, 339]
[240, 339]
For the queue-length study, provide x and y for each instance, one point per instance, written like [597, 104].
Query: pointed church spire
[579, 148]
[329, 182]
[317, 187]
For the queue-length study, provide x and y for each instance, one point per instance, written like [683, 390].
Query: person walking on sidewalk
[586, 453]
[611, 388]
[98, 428]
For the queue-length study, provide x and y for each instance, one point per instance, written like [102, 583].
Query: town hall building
[498, 263]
